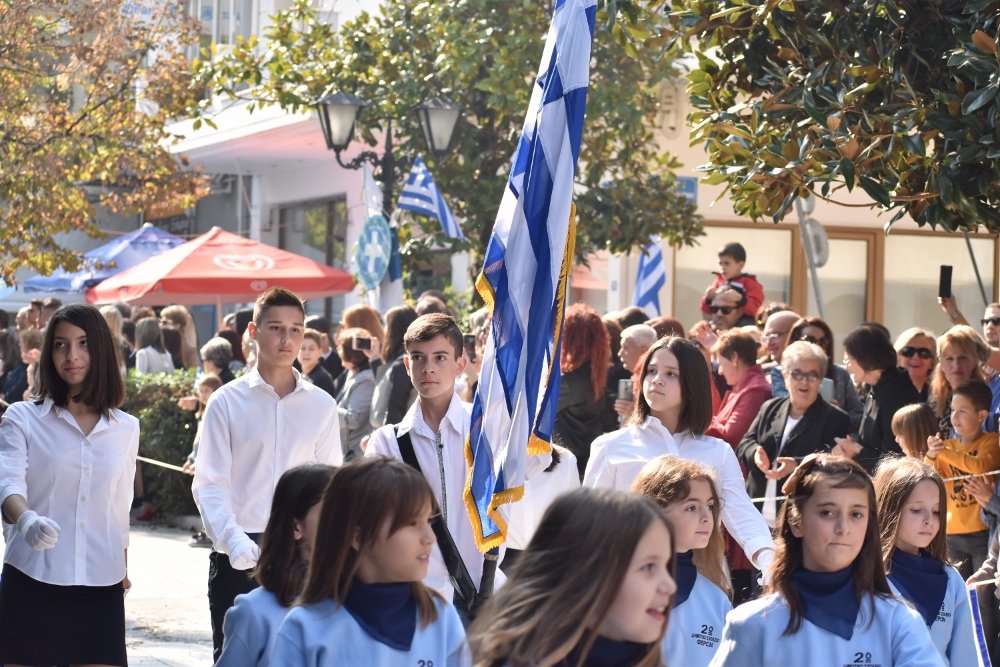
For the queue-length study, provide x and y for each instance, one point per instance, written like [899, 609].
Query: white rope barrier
[168, 466]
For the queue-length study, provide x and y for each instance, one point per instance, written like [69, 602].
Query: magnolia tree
[483, 55]
[86, 89]
[896, 97]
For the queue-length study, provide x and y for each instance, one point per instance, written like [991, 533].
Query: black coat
[815, 432]
[579, 418]
[893, 391]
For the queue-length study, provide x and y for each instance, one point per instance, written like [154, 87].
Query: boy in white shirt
[255, 428]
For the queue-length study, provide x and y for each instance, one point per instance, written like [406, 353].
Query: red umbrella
[220, 267]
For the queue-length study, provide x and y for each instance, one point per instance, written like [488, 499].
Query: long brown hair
[667, 480]
[696, 392]
[585, 340]
[869, 573]
[565, 582]
[914, 424]
[103, 387]
[281, 569]
[360, 500]
[364, 316]
[895, 480]
[968, 341]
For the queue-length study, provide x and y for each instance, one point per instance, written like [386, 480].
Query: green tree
[897, 97]
[483, 55]
[86, 89]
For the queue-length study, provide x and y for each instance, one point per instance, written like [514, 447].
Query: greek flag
[421, 195]
[524, 279]
[650, 278]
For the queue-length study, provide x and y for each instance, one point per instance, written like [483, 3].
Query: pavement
[166, 613]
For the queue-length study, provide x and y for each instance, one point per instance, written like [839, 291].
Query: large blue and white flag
[524, 279]
[421, 195]
[650, 278]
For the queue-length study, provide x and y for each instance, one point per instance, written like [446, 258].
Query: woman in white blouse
[150, 355]
[66, 467]
[672, 412]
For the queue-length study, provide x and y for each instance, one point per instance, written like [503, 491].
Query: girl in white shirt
[251, 624]
[66, 468]
[828, 601]
[150, 355]
[592, 588]
[911, 497]
[687, 492]
[672, 411]
[364, 602]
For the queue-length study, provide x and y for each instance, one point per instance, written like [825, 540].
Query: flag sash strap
[982, 649]
[524, 280]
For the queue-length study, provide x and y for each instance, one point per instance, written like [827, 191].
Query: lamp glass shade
[337, 113]
[438, 118]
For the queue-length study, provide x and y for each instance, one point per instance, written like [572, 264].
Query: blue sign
[687, 186]
[373, 251]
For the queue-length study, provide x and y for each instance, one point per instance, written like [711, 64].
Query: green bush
[166, 435]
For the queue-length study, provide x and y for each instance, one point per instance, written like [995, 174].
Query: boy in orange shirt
[972, 452]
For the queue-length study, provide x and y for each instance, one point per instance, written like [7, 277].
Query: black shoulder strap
[460, 576]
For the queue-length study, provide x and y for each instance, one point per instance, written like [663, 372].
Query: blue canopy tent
[105, 261]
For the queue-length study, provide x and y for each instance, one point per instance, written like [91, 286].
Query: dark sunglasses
[921, 352]
[995, 321]
[725, 310]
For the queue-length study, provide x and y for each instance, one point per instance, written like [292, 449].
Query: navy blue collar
[920, 579]
[606, 653]
[829, 600]
[387, 612]
[687, 574]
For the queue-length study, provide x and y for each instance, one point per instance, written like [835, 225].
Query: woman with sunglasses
[917, 352]
[845, 395]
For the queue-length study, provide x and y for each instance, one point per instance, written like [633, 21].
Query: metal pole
[975, 267]
[388, 164]
[810, 259]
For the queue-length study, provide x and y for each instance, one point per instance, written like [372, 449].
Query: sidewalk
[166, 614]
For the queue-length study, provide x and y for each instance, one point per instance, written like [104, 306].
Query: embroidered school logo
[243, 262]
[862, 659]
[706, 637]
[943, 615]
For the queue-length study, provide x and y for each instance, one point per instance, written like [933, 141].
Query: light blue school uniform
[327, 635]
[896, 637]
[952, 631]
[250, 627]
[695, 628]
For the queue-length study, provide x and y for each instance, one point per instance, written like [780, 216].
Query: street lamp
[337, 113]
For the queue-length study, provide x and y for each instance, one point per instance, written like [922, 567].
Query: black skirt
[44, 624]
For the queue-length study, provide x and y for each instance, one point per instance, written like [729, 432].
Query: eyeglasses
[921, 352]
[813, 339]
[799, 376]
[995, 321]
[725, 310]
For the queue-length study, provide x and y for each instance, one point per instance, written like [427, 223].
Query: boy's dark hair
[734, 250]
[243, 318]
[272, 298]
[978, 393]
[426, 327]
[103, 387]
[318, 323]
[630, 316]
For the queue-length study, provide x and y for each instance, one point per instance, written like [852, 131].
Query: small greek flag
[650, 278]
[523, 282]
[421, 195]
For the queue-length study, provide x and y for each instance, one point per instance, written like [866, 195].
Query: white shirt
[82, 482]
[148, 360]
[454, 429]
[249, 438]
[616, 459]
[539, 492]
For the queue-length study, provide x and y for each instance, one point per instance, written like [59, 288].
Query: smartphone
[826, 389]
[359, 343]
[469, 342]
[944, 282]
[624, 390]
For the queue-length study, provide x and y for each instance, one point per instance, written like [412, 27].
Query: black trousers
[224, 584]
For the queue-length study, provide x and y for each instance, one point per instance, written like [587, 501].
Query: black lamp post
[337, 113]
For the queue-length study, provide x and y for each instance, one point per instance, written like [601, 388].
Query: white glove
[245, 555]
[40, 532]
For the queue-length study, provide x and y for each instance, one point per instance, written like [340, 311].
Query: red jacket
[739, 407]
[753, 289]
